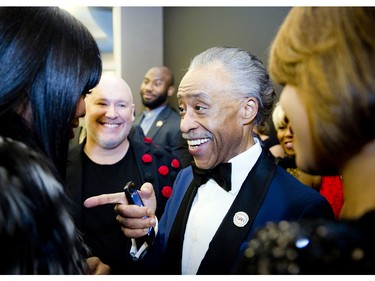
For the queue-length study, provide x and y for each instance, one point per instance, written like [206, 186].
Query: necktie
[220, 173]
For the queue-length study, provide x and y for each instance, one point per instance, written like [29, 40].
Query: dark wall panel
[190, 30]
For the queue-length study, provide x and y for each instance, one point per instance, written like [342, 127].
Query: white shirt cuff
[138, 254]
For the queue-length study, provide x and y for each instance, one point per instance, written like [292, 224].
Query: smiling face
[212, 116]
[283, 130]
[156, 87]
[285, 137]
[109, 113]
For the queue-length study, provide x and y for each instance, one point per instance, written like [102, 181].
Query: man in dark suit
[159, 121]
[106, 160]
[233, 187]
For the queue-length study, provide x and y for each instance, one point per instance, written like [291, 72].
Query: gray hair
[248, 73]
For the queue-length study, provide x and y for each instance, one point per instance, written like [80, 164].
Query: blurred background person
[288, 161]
[269, 143]
[329, 186]
[159, 120]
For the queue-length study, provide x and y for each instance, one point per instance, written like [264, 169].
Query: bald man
[108, 159]
[159, 121]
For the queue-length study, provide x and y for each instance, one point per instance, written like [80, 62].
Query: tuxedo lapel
[233, 231]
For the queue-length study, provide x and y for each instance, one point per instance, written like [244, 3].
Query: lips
[288, 144]
[148, 96]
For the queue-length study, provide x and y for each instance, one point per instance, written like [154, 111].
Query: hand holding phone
[133, 197]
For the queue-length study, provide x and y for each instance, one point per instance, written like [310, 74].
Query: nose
[81, 109]
[188, 122]
[289, 131]
[111, 112]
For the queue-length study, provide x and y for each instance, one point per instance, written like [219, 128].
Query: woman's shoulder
[313, 247]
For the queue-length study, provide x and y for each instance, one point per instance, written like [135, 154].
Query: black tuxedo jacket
[269, 193]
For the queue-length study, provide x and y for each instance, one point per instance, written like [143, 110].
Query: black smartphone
[131, 193]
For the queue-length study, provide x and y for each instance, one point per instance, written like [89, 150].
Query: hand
[134, 220]
[97, 267]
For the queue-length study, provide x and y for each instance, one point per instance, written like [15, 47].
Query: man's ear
[250, 110]
[171, 90]
[133, 111]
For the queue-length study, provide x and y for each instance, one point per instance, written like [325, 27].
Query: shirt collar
[154, 112]
[242, 165]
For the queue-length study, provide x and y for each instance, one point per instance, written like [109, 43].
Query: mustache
[194, 135]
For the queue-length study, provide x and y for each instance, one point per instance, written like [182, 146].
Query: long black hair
[37, 235]
[48, 59]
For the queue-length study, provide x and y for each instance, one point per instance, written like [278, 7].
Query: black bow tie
[221, 174]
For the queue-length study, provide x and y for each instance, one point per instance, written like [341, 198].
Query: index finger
[103, 199]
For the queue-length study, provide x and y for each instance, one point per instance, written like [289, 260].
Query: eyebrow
[194, 95]
[154, 80]
[111, 100]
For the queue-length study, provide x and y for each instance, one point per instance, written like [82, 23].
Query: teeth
[110, 125]
[197, 142]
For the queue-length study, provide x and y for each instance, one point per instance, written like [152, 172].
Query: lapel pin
[240, 219]
[159, 123]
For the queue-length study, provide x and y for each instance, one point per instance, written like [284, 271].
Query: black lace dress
[313, 247]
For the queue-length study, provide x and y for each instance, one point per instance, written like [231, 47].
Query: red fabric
[167, 191]
[175, 163]
[146, 158]
[163, 170]
[147, 140]
[332, 189]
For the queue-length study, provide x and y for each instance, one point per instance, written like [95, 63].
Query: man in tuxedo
[160, 121]
[109, 157]
[233, 187]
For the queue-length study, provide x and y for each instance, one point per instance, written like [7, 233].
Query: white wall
[138, 44]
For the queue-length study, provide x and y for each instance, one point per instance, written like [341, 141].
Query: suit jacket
[271, 193]
[165, 131]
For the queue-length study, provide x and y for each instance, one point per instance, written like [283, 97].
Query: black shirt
[101, 231]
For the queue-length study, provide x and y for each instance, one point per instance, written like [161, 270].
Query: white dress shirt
[209, 208]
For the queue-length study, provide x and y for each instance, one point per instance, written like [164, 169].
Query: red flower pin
[175, 163]
[146, 158]
[163, 170]
[167, 191]
[147, 140]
